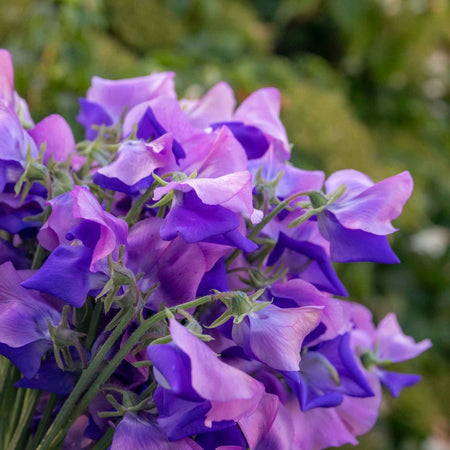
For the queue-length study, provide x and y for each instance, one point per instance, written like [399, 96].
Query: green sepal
[227, 315]
[165, 199]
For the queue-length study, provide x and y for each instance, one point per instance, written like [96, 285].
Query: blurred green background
[365, 85]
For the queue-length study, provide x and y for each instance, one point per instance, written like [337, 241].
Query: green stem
[135, 211]
[15, 413]
[28, 407]
[95, 318]
[74, 406]
[38, 256]
[84, 381]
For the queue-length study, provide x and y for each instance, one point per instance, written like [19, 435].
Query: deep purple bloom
[274, 335]
[66, 275]
[71, 271]
[305, 254]
[140, 432]
[107, 100]
[357, 223]
[24, 335]
[321, 428]
[387, 344]
[209, 208]
[136, 161]
[327, 372]
[262, 109]
[13, 211]
[250, 137]
[201, 374]
[159, 116]
[336, 316]
[169, 263]
[78, 215]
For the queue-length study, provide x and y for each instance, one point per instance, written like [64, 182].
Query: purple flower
[357, 223]
[336, 315]
[321, 428]
[201, 374]
[13, 211]
[24, 335]
[136, 161]
[207, 211]
[14, 144]
[159, 116]
[385, 345]
[217, 105]
[71, 271]
[107, 100]
[327, 372]
[262, 110]
[168, 263]
[140, 432]
[305, 253]
[274, 335]
[78, 215]
[66, 275]
[269, 427]
[56, 133]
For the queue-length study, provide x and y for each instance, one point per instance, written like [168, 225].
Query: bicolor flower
[357, 223]
[133, 168]
[107, 100]
[200, 376]
[24, 317]
[385, 345]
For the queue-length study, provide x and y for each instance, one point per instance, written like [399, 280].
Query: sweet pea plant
[167, 283]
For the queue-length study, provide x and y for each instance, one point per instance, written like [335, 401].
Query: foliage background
[365, 85]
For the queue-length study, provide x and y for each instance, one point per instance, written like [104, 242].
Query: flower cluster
[169, 280]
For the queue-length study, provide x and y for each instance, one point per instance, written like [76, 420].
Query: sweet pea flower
[274, 335]
[327, 372]
[269, 427]
[24, 334]
[160, 260]
[71, 271]
[55, 132]
[357, 223]
[107, 100]
[385, 345]
[140, 432]
[78, 215]
[217, 105]
[255, 123]
[321, 428]
[136, 161]
[206, 209]
[306, 254]
[14, 145]
[201, 375]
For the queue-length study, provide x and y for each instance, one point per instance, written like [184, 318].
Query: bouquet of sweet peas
[167, 283]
